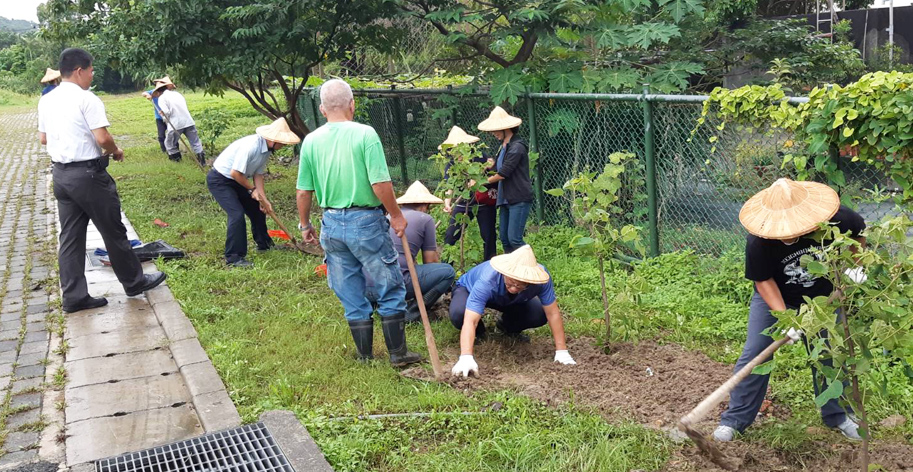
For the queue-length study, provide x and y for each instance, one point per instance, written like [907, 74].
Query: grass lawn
[278, 338]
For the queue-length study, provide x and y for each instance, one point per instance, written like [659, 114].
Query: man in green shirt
[343, 163]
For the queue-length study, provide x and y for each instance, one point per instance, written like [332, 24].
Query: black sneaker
[150, 281]
[85, 304]
[241, 264]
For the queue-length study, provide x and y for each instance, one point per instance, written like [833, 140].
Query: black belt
[97, 162]
[354, 207]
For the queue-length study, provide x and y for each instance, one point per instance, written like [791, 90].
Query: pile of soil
[654, 385]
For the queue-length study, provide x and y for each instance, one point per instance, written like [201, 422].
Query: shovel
[714, 399]
[299, 246]
[429, 335]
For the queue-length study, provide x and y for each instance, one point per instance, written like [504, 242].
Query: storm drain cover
[249, 448]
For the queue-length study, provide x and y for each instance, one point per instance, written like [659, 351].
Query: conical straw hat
[279, 132]
[162, 83]
[498, 120]
[520, 265]
[163, 79]
[458, 136]
[789, 209]
[418, 193]
[50, 75]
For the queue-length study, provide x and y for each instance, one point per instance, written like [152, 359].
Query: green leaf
[673, 76]
[679, 8]
[834, 390]
[618, 79]
[645, 34]
[612, 37]
[765, 368]
[507, 85]
[529, 14]
[631, 5]
[564, 80]
[562, 120]
[584, 241]
[816, 268]
[555, 192]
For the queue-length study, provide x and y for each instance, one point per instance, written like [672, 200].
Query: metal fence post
[400, 140]
[534, 147]
[649, 155]
[453, 109]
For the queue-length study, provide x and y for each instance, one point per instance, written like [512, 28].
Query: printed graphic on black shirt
[795, 273]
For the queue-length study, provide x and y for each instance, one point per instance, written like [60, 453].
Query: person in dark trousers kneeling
[780, 221]
[517, 286]
[73, 125]
[229, 182]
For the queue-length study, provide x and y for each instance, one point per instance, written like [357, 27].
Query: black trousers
[486, 217]
[88, 193]
[162, 129]
[234, 199]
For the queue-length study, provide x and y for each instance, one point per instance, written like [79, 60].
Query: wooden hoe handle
[429, 335]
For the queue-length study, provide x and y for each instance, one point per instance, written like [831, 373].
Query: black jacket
[516, 186]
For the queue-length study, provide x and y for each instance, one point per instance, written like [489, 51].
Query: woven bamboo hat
[418, 194]
[520, 265]
[498, 120]
[50, 75]
[162, 83]
[458, 136]
[278, 132]
[788, 209]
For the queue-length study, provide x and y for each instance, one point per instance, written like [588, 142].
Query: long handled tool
[429, 335]
[180, 136]
[714, 399]
[301, 247]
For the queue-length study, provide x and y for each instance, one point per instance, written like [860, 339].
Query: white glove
[857, 274]
[564, 357]
[465, 365]
[794, 335]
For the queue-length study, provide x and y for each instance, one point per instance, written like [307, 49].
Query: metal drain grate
[246, 449]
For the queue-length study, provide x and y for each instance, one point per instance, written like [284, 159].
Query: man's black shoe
[150, 281]
[85, 304]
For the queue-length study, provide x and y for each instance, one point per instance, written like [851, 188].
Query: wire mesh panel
[700, 185]
[247, 448]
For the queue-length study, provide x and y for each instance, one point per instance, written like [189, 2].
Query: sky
[20, 9]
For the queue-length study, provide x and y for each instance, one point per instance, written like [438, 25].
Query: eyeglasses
[514, 284]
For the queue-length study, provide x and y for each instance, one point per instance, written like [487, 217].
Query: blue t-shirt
[155, 107]
[48, 88]
[486, 287]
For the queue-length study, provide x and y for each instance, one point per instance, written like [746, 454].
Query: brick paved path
[29, 308]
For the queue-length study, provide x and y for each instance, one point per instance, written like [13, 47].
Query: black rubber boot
[395, 337]
[176, 157]
[413, 314]
[202, 158]
[363, 334]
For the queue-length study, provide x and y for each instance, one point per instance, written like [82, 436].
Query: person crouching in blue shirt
[517, 286]
[230, 183]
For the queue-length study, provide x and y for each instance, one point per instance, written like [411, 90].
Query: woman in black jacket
[515, 190]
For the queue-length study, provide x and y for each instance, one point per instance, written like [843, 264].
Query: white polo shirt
[67, 115]
[175, 108]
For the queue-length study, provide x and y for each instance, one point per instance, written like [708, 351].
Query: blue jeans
[434, 279]
[359, 238]
[514, 318]
[513, 225]
[745, 400]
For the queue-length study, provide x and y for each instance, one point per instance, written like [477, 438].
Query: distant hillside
[16, 26]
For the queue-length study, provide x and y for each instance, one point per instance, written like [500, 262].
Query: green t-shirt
[339, 162]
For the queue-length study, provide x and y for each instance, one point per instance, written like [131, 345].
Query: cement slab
[120, 367]
[293, 438]
[202, 378]
[116, 342]
[216, 411]
[128, 396]
[98, 438]
[130, 320]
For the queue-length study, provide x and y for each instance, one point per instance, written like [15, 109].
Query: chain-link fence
[684, 190]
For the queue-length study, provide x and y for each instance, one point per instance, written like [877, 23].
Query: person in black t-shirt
[780, 220]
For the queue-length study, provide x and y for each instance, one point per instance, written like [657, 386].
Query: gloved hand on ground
[465, 366]
[564, 357]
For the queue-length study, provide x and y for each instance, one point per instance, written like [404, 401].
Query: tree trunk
[857, 396]
[605, 307]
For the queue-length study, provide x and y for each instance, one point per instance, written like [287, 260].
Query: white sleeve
[164, 106]
[94, 112]
[41, 127]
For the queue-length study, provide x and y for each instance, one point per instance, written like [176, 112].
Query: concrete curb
[295, 442]
[209, 396]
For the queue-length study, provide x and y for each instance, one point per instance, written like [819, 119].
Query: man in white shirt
[73, 125]
[177, 117]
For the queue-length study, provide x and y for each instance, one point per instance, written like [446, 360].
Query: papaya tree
[595, 207]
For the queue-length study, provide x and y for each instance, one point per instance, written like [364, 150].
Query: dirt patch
[654, 385]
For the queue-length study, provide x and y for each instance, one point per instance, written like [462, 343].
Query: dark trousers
[87, 193]
[515, 317]
[745, 400]
[234, 199]
[162, 129]
[486, 217]
[513, 225]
